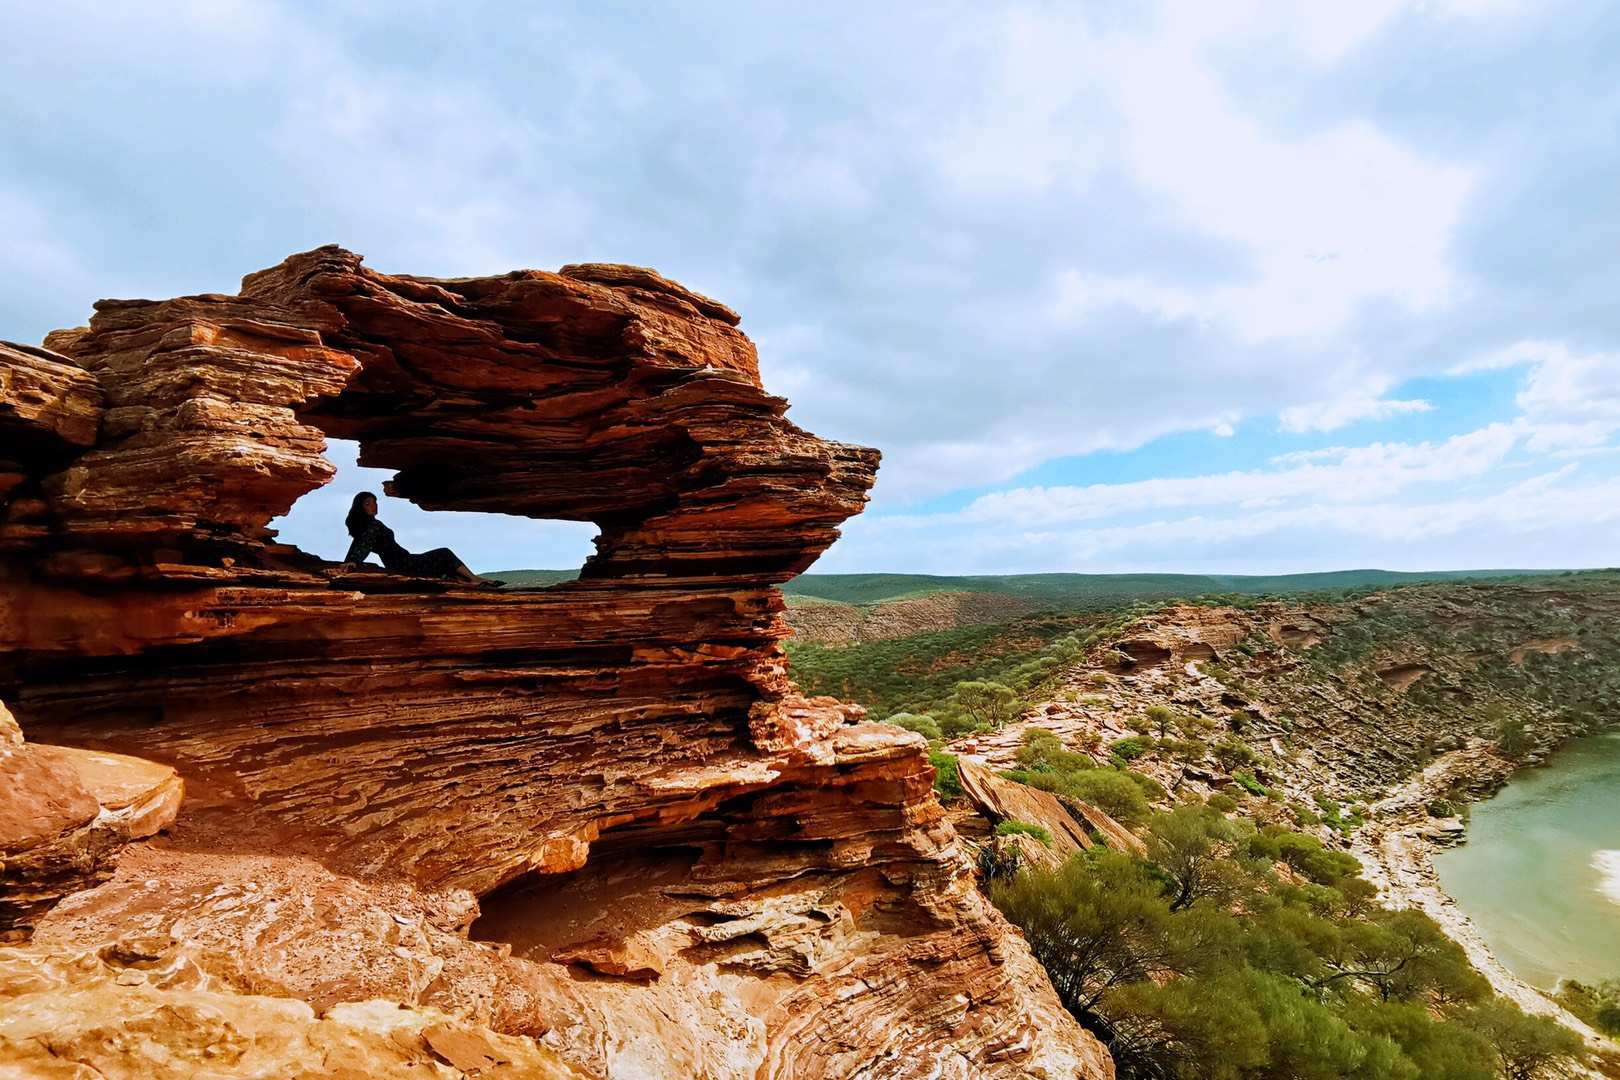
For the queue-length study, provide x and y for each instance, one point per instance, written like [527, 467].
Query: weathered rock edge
[441, 740]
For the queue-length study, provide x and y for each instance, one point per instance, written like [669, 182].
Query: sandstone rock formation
[686, 869]
[65, 813]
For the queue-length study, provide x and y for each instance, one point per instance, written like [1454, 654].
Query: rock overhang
[454, 739]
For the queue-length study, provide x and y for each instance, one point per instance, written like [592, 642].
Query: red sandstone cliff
[684, 868]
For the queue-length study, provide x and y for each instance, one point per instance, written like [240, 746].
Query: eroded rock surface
[65, 813]
[366, 754]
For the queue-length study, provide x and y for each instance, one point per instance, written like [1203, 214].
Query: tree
[1234, 753]
[1190, 843]
[1161, 718]
[1405, 956]
[989, 704]
[1527, 1047]
[1098, 921]
[1440, 1051]
[1513, 738]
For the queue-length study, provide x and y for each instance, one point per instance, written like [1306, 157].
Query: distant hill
[1064, 590]
[1068, 589]
[533, 579]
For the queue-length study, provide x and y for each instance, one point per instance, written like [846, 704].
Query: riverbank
[1396, 849]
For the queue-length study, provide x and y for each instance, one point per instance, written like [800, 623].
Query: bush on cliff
[1598, 1005]
[1043, 763]
[1234, 753]
[1014, 827]
[990, 704]
[1527, 1047]
[1513, 738]
[925, 726]
[1131, 747]
[1113, 792]
[1200, 963]
[947, 778]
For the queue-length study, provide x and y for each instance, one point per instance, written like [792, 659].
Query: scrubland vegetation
[953, 681]
[1237, 951]
[1245, 945]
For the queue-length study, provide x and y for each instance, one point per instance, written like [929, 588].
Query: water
[1540, 873]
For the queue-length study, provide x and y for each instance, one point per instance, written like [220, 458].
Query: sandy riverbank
[1396, 848]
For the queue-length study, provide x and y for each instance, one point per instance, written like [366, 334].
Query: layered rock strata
[737, 881]
[65, 813]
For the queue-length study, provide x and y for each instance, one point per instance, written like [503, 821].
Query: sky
[1206, 287]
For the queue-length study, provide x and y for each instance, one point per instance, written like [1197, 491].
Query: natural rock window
[490, 543]
[362, 764]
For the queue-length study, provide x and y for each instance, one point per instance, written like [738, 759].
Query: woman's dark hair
[357, 517]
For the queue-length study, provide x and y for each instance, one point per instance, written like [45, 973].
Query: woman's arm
[360, 548]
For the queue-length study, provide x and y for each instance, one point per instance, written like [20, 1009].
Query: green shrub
[1131, 747]
[1513, 738]
[1224, 803]
[1194, 968]
[1043, 752]
[1527, 1047]
[1234, 753]
[1014, 827]
[1441, 808]
[947, 779]
[1322, 865]
[1183, 749]
[1246, 780]
[1598, 1005]
[989, 703]
[1150, 787]
[1113, 792]
[923, 725]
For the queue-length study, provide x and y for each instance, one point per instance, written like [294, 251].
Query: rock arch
[451, 738]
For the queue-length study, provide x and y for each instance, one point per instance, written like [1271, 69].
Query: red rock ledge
[683, 868]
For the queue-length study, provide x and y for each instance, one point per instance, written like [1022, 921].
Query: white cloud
[1332, 415]
[1517, 354]
[1574, 388]
[1329, 218]
[1337, 475]
[1551, 519]
[1569, 401]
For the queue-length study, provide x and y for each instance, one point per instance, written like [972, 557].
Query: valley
[1370, 721]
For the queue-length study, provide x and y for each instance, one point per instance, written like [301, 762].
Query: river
[1540, 873]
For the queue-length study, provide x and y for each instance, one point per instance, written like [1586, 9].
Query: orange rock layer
[685, 868]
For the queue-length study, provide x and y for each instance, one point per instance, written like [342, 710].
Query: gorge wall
[683, 867]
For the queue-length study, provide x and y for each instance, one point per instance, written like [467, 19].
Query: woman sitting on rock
[371, 535]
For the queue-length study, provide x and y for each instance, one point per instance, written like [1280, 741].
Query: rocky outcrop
[65, 813]
[1339, 699]
[369, 758]
[132, 1015]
